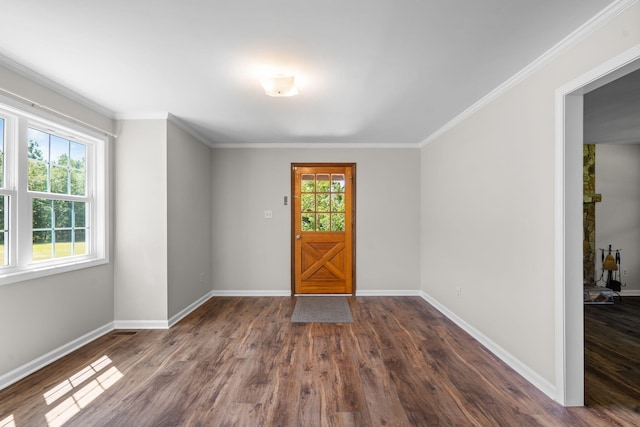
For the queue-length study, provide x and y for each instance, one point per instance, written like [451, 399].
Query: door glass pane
[324, 222]
[323, 202]
[337, 202]
[308, 222]
[307, 183]
[337, 222]
[308, 202]
[337, 183]
[323, 183]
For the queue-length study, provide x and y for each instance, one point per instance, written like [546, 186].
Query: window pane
[77, 182]
[59, 151]
[62, 212]
[1, 153]
[3, 209]
[59, 180]
[337, 203]
[79, 209]
[308, 202]
[322, 183]
[42, 248]
[4, 225]
[324, 222]
[63, 243]
[80, 242]
[307, 183]
[37, 176]
[38, 145]
[323, 202]
[337, 183]
[308, 222]
[337, 222]
[3, 250]
[42, 214]
[78, 155]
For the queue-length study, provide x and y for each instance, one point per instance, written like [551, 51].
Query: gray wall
[618, 215]
[39, 316]
[189, 219]
[140, 245]
[488, 207]
[253, 254]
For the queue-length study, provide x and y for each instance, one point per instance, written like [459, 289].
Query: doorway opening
[569, 223]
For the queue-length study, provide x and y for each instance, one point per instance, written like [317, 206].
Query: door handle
[298, 237]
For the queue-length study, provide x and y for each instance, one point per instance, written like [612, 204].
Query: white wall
[251, 253]
[618, 215]
[42, 315]
[488, 207]
[140, 245]
[189, 219]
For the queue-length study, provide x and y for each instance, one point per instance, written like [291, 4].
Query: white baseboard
[27, 369]
[388, 293]
[630, 293]
[249, 293]
[380, 293]
[141, 324]
[183, 313]
[541, 383]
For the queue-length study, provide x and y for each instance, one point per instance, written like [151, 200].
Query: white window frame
[21, 266]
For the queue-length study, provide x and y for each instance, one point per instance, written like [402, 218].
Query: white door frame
[569, 316]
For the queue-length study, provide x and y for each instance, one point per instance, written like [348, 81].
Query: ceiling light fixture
[279, 85]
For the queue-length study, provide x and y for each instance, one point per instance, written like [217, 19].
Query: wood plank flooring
[240, 362]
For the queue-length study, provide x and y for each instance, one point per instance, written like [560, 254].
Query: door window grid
[322, 202]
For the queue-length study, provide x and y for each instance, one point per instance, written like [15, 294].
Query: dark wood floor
[240, 362]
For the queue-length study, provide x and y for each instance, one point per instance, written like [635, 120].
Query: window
[53, 211]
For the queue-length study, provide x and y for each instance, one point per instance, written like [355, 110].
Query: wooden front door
[323, 228]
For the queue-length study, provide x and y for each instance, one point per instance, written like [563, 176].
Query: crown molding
[585, 30]
[317, 145]
[23, 71]
[190, 130]
[152, 115]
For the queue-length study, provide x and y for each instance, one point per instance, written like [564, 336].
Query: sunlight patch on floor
[8, 422]
[82, 397]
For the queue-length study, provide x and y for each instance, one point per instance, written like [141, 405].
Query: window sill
[37, 272]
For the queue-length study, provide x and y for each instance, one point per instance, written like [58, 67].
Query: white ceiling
[370, 71]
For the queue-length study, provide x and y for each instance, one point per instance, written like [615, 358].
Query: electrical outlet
[624, 272]
[459, 291]
[268, 214]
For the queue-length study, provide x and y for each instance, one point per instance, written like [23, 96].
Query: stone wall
[590, 198]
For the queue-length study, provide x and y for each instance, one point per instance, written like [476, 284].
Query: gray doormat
[322, 310]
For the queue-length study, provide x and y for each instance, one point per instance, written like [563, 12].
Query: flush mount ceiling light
[279, 85]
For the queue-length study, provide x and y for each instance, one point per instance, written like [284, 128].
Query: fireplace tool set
[611, 264]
